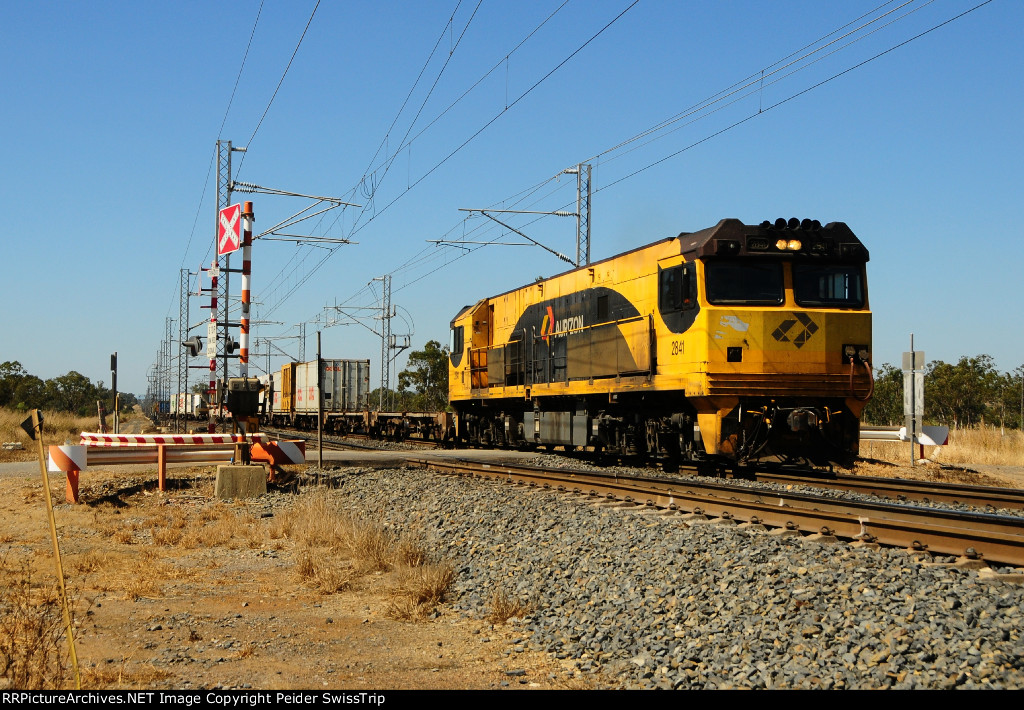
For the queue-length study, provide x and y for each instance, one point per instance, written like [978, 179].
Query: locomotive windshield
[835, 285]
[744, 283]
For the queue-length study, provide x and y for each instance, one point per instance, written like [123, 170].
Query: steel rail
[909, 489]
[993, 538]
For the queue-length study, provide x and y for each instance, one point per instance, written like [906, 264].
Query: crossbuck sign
[229, 230]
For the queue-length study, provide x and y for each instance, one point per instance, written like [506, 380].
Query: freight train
[291, 397]
[726, 345]
[189, 405]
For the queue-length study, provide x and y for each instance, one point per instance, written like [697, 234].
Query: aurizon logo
[785, 333]
[549, 326]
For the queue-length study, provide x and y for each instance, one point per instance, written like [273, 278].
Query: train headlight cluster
[788, 245]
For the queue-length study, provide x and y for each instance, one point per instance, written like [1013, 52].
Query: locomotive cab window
[456, 340]
[744, 283]
[677, 288]
[830, 285]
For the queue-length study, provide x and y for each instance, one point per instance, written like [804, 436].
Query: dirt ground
[180, 591]
[227, 608]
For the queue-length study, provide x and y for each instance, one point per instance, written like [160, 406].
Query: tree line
[970, 393]
[422, 385]
[72, 392]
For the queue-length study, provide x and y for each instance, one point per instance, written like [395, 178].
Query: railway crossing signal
[229, 229]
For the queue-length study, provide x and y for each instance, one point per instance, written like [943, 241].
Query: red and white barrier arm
[99, 439]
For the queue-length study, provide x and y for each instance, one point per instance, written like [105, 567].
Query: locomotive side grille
[786, 384]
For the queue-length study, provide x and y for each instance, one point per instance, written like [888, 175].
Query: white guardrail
[929, 436]
[109, 449]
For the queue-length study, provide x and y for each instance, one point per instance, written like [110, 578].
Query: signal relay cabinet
[243, 396]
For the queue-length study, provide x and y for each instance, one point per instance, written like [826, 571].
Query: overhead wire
[760, 111]
[368, 194]
[422, 259]
[370, 170]
[508, 107]
[280, 81]
[704, 109]
[758, 76]
[796, 95]
[213, 158]
[408, 143]
[240, 68]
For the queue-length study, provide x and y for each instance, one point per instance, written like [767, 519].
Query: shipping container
[188, 404]
[346, 386]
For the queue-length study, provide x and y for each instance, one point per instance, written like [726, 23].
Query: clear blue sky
[111, 112]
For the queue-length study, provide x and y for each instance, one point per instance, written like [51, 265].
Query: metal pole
[913, 404]
[113, 386]
[319, 404]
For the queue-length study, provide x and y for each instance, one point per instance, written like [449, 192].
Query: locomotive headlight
[781, 245]
[794, 245]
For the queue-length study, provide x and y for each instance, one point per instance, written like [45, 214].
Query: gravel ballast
[641, 600]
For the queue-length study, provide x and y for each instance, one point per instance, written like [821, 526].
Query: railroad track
[989, 498]
[984, 537]
[343, 443]
[900, 489]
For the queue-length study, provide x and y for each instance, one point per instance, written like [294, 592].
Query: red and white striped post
[247, 220]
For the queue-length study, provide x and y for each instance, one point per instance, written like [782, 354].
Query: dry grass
[335, 548]
[418, 590]
[33, 647]
[321, 571]
[966, 447]
[504, 607]
[425, 584]
[58, 428]
[123, 676]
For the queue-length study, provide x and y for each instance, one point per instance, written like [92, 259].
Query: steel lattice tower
[167, 362]
[183, 295]
[385, 341]
[582, 214]
[223, 200]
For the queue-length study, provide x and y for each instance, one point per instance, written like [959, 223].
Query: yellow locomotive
[735, 343]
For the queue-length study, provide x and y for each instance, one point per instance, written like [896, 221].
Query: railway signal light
[194, 345]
